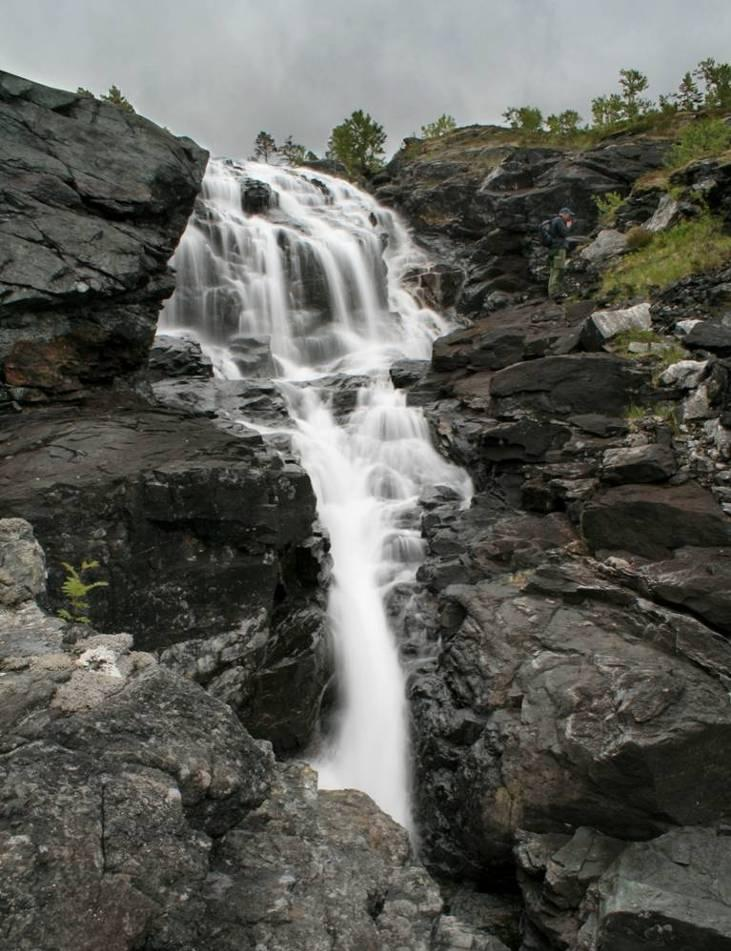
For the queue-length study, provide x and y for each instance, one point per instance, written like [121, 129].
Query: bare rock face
[94, 200]
[22, 563]
[137, 812]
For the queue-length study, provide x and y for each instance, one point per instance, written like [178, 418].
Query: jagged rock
[546, 714]
[120, 775]
[476, 199]
[194, 529]
[652, 463]
[22, 563]
[665, 895]
[605, 324]
[507, 337]
[94, 202]
[713, 334]
[555, 873]
[607, 245]
[172, 357]
[668, 213]
[697, 580]
[685, 373]
[653, 520]
[256, 197]
[572, 384]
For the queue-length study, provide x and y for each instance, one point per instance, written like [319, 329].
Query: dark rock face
[652, 521]
[139, 813]
[256, 197]
[570, 719]
[94, 201]
[476, 199]
[665, 895]
[182, 550]
[575, 383]
[172, 357]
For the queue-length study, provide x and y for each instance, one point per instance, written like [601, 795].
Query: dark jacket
[559, 234]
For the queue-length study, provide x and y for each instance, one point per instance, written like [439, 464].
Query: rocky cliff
[571, 717]
[574, 725]
[204, 535]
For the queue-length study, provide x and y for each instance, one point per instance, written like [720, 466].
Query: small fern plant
[76, 591]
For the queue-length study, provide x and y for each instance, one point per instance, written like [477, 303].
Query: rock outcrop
[476, 198]
[137, 812]
[573, 723]
[201, 531]
[94, 200]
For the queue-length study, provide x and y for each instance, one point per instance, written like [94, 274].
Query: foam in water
[313, 288]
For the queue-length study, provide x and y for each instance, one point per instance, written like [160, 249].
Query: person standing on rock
[558, 234]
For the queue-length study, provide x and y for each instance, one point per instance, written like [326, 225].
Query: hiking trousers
[558, 263]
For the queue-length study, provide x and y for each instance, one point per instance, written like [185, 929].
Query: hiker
[557, 231]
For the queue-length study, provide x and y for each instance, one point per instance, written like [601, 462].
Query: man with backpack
[555, 236]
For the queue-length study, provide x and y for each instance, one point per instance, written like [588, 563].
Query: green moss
[689, 248]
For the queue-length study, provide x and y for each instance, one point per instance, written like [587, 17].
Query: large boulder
[94, 201]
[666, 895]
[652, 521]
[195, 530]
[565, 703]
[22, 563]
[576, 383]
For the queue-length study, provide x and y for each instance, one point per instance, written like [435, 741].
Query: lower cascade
[300, 277]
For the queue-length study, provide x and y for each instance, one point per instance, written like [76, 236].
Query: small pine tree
[293, 152]
[524, 118]
[688, 97]
[607, 111]
[114, 95]
[264, 146]
[358, 142]
[632, 83]
[716, 78]
[438, 128]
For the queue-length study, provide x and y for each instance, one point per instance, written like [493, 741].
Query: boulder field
[570, 690]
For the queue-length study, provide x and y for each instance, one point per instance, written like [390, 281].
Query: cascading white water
[311, 288]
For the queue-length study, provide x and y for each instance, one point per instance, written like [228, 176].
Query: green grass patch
[689, 248]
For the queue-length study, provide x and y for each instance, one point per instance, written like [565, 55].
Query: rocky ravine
[572, 722]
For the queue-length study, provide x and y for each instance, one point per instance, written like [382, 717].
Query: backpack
[546, 232]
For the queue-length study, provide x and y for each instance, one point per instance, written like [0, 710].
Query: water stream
[310, 292]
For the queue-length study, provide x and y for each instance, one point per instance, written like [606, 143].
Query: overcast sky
[221, 70]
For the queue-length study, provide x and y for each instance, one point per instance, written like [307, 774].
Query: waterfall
[307, 287]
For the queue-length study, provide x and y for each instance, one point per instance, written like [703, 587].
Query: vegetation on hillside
[689, 248]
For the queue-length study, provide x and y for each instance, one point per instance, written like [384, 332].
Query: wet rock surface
[571, 719]
[139, 813]
[477, 197]
[94, 201]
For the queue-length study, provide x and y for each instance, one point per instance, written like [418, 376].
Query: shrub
[698, 139]
[688, 248]
[638, 237]
[607, 206]
[438, 128]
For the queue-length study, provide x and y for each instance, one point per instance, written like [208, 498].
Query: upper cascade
[313, 286]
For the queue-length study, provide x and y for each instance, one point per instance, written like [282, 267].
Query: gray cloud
[221, 70]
